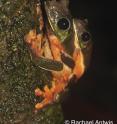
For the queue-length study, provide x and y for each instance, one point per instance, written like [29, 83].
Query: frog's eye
[63, 23]
[85, 36]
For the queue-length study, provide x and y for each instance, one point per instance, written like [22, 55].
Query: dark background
[95, 94]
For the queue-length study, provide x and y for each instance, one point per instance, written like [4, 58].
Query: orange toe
[38, 92]
[39, 106]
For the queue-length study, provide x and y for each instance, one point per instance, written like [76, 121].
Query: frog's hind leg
[50, 95]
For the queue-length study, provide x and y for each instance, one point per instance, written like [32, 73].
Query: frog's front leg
[79, 67]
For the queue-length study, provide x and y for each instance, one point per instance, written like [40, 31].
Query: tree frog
[61, 44]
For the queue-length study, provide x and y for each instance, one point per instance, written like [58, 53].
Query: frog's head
[73, 33]
[59, 18]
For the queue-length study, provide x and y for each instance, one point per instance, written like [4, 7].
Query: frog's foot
[49, 95]
[46, 94]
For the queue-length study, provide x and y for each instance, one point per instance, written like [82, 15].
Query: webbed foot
[49, 95]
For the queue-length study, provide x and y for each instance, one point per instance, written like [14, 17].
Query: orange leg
[79, 63]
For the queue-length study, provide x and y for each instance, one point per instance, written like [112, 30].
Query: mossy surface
[18, 76]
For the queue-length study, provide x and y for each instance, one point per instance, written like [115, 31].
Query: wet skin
[62, 46]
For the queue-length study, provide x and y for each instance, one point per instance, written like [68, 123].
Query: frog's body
[60, 40]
